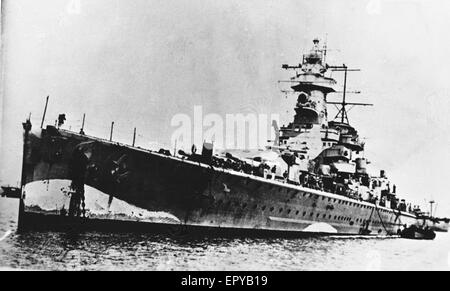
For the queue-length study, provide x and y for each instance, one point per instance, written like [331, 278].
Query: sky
[141, 62]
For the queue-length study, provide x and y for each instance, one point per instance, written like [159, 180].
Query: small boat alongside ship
[11, 192]
[439, 224]
[432, 222]
[415, 232]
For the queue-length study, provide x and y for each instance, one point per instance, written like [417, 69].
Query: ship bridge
[311, 88]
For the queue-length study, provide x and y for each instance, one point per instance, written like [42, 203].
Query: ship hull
[37, 222]
[134, 189]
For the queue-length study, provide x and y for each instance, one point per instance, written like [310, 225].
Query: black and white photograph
[225, 135]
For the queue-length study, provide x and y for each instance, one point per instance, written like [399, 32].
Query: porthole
[264, 208]
[311, 214]
[271, 209]
[304, 213]
[289, 211]
[255, 207]
[317, 215]
[324, 216]
[297, 212]
[281, 210]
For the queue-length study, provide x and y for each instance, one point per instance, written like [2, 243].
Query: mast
[45, 112]
[134, 137]
[325, 49]
[112, 131]
[343, 112]
[82, 126]
[431, 207]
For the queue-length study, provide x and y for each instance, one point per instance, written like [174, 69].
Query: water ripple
[99, 251]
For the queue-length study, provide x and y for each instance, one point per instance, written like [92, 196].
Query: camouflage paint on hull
[140, 186]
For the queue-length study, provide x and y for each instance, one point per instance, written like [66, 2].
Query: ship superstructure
[313, 179]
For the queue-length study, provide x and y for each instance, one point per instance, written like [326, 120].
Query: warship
[312, 179]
